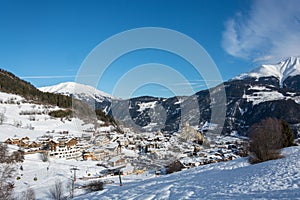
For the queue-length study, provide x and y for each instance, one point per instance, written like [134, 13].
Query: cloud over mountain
[270, 31]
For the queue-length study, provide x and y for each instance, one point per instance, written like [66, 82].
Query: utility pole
[121, 184]
[74, 169]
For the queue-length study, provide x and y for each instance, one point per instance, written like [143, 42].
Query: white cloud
[269, 31]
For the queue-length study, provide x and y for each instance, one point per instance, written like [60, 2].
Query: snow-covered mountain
[73, 88]
[282, 70]
[86, 93]
[268, 91]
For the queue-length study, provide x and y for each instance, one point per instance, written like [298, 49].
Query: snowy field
[41, 176]
[33, 125]
[46, 173]
[277, 179]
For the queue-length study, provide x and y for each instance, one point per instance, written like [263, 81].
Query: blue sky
[45, 42]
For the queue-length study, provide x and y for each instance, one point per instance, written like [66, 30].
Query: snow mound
[276, 179]
[281, 70]
[68, 88]
[5, 96]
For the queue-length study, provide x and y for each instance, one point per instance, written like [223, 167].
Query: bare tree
[7, 172]
[57, 191]
[266, 140]
[29, 194]
[17, 156]
[3, 153]
[45, 157]
[2, 116]
[5, 157]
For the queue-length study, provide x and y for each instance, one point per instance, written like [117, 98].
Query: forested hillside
[9, 83]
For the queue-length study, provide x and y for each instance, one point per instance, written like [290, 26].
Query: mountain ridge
[267, 91]
[74, 88]
[282, 70]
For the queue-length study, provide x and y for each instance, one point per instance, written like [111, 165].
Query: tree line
[9, 83]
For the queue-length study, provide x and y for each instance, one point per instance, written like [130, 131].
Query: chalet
[71, 142]
[100, 154]
[44, 139]
[116, 161]
[89, 156]
[52, 145]
[22, 144]
[64, 148]
[86, 136]
[8, 141]
[15, 141]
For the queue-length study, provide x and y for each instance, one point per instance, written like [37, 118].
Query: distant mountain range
[267, 91]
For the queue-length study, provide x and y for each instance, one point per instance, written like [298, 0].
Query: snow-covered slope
[276, 179]
[77, 89]
[21, 119]
[281, 70]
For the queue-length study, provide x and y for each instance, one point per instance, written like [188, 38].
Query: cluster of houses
[56, 147]
[24, 143]
[113, 149]
[225, 148]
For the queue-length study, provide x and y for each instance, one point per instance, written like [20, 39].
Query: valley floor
[276, 179]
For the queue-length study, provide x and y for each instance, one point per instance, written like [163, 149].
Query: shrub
[288, 134]
[266, 140]
[60, 113]
[174, 167]
[95, 186]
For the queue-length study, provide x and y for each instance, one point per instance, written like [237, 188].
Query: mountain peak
[68, 88]
[281, 70]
